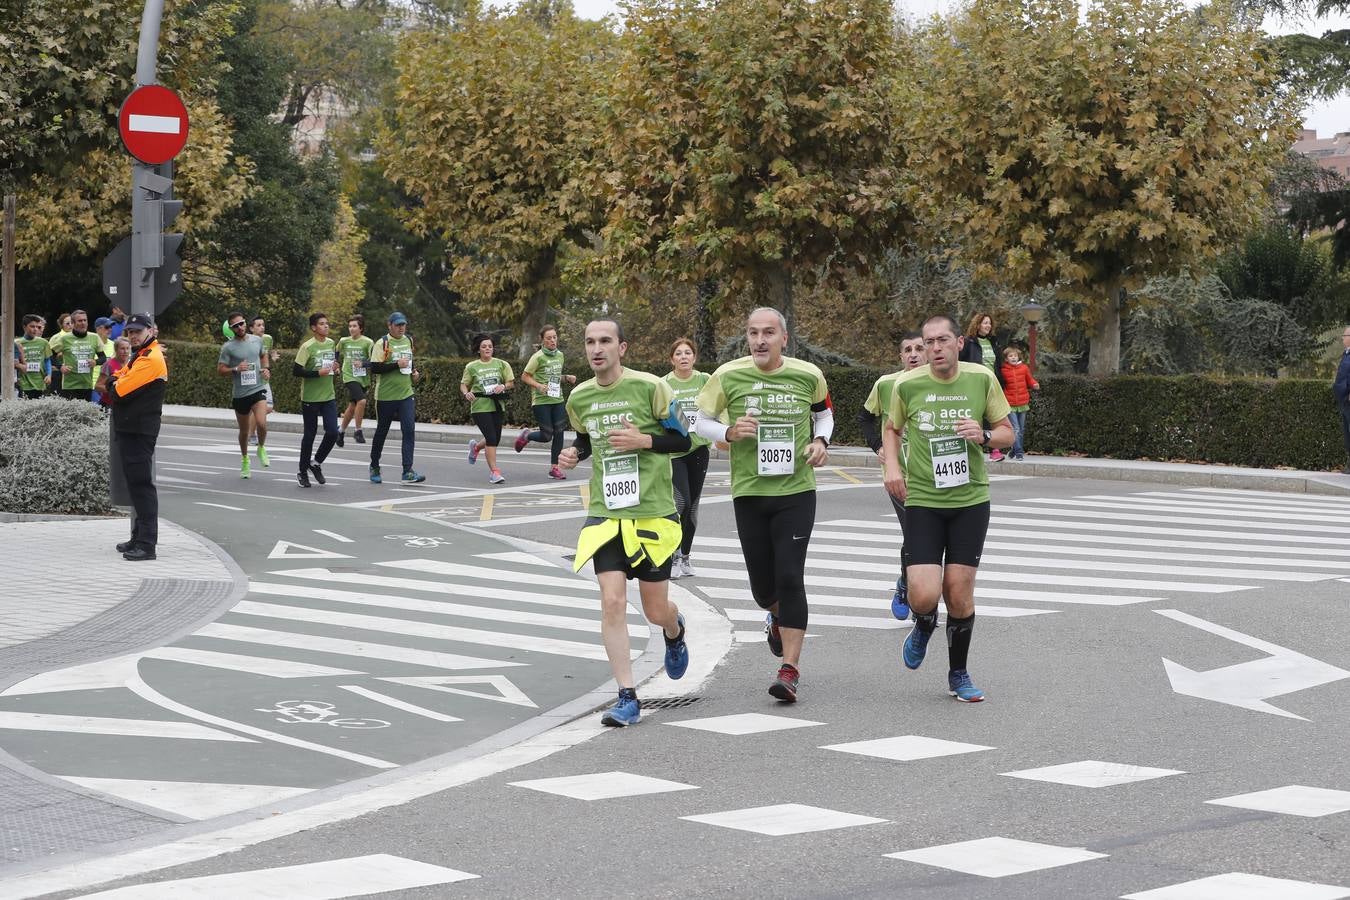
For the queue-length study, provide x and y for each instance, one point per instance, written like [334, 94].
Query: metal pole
[7, 299]
[142, 299]
[1031, 347]
[148, 49]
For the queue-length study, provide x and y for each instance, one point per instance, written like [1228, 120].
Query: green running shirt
[479, 376]
[625, 484]
[773, 464]
[355, 353]
[943, 471]
[312, 356]
[547, 369]
[33, 351]
[395, 385]
[686, 401]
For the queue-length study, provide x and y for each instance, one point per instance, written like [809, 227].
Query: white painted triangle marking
[196, 800]
[517, 556]
[507, 692]
[290, 550]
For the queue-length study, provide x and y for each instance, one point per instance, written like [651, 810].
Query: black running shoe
[318, 474]
[303, 478]
[784, 687]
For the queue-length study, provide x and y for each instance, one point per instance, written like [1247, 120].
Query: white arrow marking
[288, 550]
[507, 692]
[154, 124]
[1249, 684]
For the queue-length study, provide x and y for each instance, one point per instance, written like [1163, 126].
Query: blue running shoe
[677, 652]
[960, 687]
[627, 711]
[411, 477]
[916, 647]
[375, 475]
[773, 635]
[899, 604]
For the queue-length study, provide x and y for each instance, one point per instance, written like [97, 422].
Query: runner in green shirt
[945, 488]
[485, 381]
[782, 422]
[316, 362]
[628, 420]
[355, 351]
[257, 326]
[56, 342]
[689, 470]
[871, 419]
[32, 359]
[544, 376]
[243, 361]
[81, 356]
[392, 360]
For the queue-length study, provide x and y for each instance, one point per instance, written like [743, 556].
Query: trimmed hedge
[54, 458]
[1249, 422]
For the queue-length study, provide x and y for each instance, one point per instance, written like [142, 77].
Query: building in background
[1331, 153]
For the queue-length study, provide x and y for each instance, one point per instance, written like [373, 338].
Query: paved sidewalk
[1193, 474]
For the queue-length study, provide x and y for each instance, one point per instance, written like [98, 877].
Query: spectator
[1342, 391]
[118, 317]
[121, 356]
[981, 347]
[1018, 383]
[138, 402]
[103, 328]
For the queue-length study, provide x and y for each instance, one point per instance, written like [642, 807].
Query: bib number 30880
[777, 449]
[951, 462]
[620, 482]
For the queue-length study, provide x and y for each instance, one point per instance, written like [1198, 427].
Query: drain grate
[670, 702]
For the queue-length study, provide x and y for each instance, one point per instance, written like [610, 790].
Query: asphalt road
[1153, 657]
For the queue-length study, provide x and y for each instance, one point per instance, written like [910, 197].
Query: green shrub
[1239, 421]
[54, 457]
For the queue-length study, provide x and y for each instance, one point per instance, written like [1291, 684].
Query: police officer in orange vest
[137, 395]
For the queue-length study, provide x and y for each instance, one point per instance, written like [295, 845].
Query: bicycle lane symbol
[317, 712]
[417, 542]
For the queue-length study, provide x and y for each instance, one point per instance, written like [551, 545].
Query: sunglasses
[236, 324]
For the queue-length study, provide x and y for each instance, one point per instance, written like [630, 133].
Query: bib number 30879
[620, 482]
[777, 449]
[951, 462]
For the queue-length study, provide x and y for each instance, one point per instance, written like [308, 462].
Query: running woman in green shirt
[355, 352]
[782, 422]
[628, 420]
[690, 469]
[544, 376]
[316, 362]
[943, 482]
[870, 419]
[32, 359]
[392, 360]
[485, 382]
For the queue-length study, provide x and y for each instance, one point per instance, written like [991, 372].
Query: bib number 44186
[951, 462]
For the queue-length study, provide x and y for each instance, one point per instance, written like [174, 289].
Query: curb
[1188, 474]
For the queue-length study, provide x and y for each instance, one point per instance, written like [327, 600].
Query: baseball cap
[103, 322]
[398, 318]
[139, 322]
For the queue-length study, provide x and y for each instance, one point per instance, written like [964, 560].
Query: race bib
[33, 367]
[777, 444]
[689, 412]
[82, 365]
[358, 370]
[951, 462]
[404, 362]
[326, 359]
[249, 378]
[619, 481]
[487, 382]
[555, 387]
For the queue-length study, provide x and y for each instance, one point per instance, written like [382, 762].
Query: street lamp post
[1032, 312]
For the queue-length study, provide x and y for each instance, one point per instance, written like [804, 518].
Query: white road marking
[220, 506]
[1250, 517]
[1241, 886]
[906, 748]
[1133, 513]
[1292, 800]
[507, 692]
[364, 649]
[603, 785]
[783, 819]
[1092, 773]
[193, 799]
[476, 592]
[516, 556]
[473, 493]
[889, 623]
[744, 723]
[438, 607]
[335, 536]
[252, 665]
[416, 629]
[487, 573]
[290, 550]
[169, 479]
[396, 703]
[358, 876]
[153, 728]
[997, 857]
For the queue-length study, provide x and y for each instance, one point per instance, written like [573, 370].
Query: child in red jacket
[1018, 384]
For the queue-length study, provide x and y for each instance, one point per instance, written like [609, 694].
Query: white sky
[1327, 116]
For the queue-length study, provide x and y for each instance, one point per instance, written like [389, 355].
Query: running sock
[926, 623]
[673, 640]
[958, 640]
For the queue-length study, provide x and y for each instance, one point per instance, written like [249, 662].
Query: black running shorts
[934, 537]
[244, 405]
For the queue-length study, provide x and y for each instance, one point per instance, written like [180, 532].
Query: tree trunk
[7, 315]
[536, 312]
[778, 291]
[705, 321]
[1104, 344]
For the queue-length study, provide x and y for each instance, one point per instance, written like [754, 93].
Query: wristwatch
[986, 438]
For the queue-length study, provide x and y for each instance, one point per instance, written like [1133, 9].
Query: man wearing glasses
[242, 361]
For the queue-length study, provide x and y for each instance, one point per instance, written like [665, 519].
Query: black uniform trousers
[138, 468]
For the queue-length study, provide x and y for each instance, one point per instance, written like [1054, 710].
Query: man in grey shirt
[241, 360]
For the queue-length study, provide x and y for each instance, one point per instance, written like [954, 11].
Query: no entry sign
[153, 123]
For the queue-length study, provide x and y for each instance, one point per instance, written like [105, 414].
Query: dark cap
[103, 322]
[398, 318]
[138, 322]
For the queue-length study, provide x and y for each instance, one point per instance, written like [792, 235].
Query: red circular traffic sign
[153, 123]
